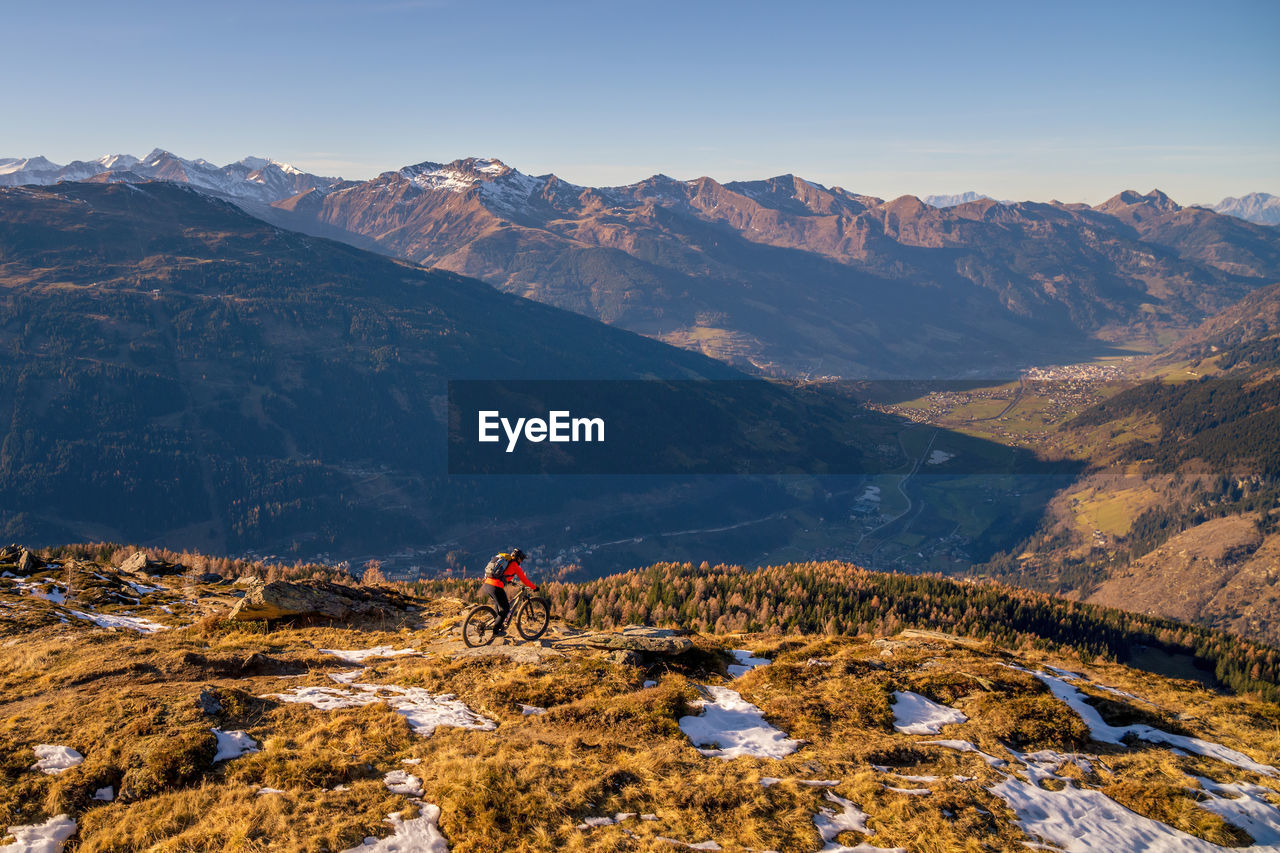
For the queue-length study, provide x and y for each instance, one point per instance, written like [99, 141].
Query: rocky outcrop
[22, 561]
[140, 563]
[661, 641]
[314, 599]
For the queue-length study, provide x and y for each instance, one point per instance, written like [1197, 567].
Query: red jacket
[512, 570]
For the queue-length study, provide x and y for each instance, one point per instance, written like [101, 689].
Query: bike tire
[533, 618]
[477, 628]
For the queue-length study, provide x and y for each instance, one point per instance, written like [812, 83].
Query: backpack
[497, 567]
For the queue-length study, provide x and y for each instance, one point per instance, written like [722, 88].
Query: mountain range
[781, 276]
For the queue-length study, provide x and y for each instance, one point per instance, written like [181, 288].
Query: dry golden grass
[605, 744]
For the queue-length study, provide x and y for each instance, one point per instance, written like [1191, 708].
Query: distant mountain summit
[953, 200]
[253, 179]
[1262, 208]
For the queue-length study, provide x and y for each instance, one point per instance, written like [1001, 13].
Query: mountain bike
[530, 613]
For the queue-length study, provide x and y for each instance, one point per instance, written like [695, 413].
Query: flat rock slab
[663, 641]
[516, 653]
[286, 599]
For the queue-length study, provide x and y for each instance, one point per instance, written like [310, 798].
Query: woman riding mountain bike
[500, 570]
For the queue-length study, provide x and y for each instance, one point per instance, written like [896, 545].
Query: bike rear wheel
[533, 617]
[477, 628]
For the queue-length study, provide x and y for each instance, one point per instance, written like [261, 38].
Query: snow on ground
[362, 655]
[1245, 806]
[913, 714]
[937, 457]
[52, 759]
[768, 781]
[733, 727]
[36, 589]
[111, 620]
[264, 790]
[142, 589]
[424, 711]
[1081, 820]
[531, 710]
[1101, 731]
[745, 663]
[593, 822]
[106, 794]
[965, 746]
[233, 744]
[1086, 820]
[47, 837]
[403, 782]
[419, 835]
[850, 819]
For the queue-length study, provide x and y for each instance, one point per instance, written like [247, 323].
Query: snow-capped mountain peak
[12, 165]
[257, 179]
[117, 161]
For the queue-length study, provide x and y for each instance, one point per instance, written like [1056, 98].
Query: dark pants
[500, 602]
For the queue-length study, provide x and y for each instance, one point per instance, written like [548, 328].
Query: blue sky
[1074, 101]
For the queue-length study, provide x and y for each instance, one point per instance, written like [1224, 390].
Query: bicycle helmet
[517, 555]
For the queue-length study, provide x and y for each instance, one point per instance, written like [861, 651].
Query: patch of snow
[53, 759]
[592, 822]
[914, 714]
[734, 727]
[420, 835]
[921, 792]
[36, 589]
[403, 782]
[880, 768]
[531, 710]
[47, 837]
[411, 761]
[850, 819]
[141, 588]
[1102, 732]
[649, 684]
[1082, 820]
[1057, 759]
[425, 711]
[264, 790]
[1245, 806]
[233, 744]
[745, 663]
[937, 457]
[109, 620]
[106, 794]
[965, 746]
[362, 655]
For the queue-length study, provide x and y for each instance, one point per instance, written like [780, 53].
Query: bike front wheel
[533, 618]
[477, 628]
